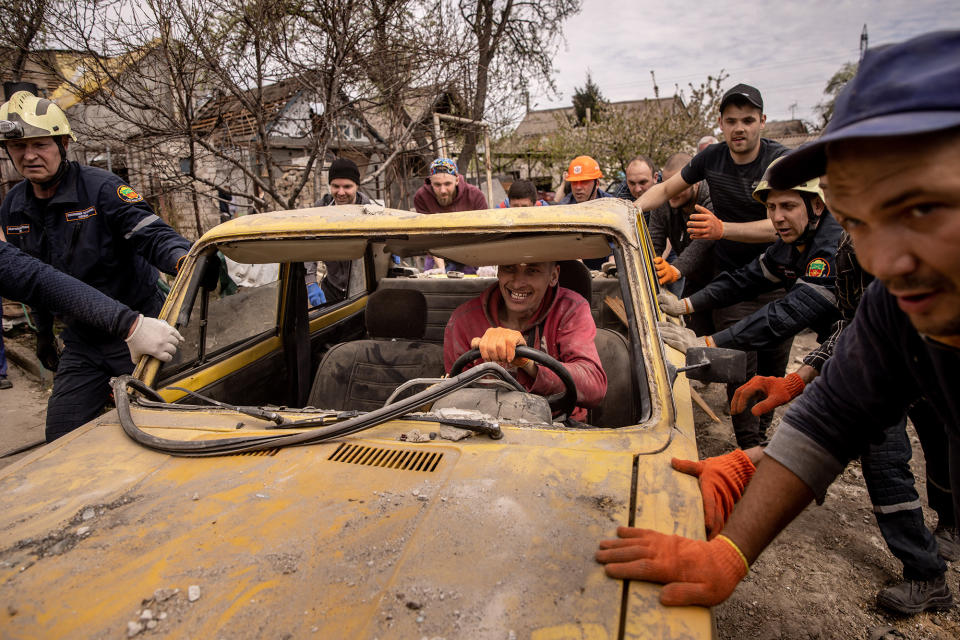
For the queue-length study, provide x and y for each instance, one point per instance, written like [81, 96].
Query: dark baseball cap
[901, 89]
[740, 93]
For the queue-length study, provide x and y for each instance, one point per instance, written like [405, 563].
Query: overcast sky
[787, 49]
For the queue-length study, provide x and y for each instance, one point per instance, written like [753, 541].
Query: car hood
[364, 537]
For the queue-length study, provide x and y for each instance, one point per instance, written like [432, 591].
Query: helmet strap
[812, 220]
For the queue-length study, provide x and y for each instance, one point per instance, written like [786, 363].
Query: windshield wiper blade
[253, 412]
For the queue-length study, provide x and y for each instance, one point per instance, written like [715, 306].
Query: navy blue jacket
[99, 230]
[881, 365]
[26, 279]
[808, 276]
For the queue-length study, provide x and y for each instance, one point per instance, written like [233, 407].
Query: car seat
[360, 375]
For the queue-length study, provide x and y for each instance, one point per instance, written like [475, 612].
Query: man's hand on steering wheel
[499, 344]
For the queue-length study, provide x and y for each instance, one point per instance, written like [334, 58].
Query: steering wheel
[559, 403]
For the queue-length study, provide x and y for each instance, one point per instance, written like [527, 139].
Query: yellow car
[300, 472]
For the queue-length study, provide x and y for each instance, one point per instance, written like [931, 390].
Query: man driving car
[526, 306]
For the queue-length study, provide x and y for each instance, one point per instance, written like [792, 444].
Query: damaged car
[314, 471]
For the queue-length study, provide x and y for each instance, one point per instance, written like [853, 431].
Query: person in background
[343, 176]
[522, 193]
[689, 267]
[583, 176]
[641, 174]
[705, 142]
[445, 190]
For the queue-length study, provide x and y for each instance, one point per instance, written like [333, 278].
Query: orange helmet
[583, 168]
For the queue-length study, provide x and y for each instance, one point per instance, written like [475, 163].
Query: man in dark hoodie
[344, 179]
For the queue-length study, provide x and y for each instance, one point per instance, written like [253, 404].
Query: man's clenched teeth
[517, 296]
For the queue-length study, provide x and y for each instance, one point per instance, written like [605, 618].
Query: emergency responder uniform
[805, 268]
[100, 230]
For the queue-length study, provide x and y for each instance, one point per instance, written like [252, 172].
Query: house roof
[88, 73]
[229, 113]
[544, 121]
[779, 128]
[795, 140]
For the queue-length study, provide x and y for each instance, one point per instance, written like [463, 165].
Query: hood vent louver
[400, 459]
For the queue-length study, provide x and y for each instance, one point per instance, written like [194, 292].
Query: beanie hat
[344, 168]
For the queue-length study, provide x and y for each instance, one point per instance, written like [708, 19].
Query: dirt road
[23, 409]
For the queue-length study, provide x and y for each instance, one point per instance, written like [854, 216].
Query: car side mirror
[710, 364]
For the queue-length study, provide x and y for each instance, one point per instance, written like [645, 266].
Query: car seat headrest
[396, 313]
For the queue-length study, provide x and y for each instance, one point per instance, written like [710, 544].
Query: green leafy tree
[588, 97]
[834, 86]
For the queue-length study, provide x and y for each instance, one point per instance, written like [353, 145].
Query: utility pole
[864, 40]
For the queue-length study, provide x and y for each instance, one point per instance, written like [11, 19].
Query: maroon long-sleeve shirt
[563, 327]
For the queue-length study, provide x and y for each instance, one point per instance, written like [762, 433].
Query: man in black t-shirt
[733, 169]
[742, 232]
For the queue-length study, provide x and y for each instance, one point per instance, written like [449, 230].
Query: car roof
[510, 236]
[606, 213]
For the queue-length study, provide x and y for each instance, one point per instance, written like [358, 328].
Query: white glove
[681, 338]
[152, 337]
[674, 306]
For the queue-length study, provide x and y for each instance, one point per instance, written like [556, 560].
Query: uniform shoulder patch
[126, 193]
[818, 268]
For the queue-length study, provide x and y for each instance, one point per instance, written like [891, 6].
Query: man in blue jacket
[26, 279]
[802, 261]
[90, 224]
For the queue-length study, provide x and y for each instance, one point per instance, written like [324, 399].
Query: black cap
[740, 93]
[900, 89]
[343, 168]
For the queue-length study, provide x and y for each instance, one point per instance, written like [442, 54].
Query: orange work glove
[499, 345]
[694, 571]
[666, 272]
[722, 481]
[777, 391]
[704, 225]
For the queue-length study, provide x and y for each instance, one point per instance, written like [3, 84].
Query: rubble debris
[146, 614]
[193, 593]
[454, 433]
[133, 628]
[415, 435]
[413, 605]
[162, 595]
[89, 513]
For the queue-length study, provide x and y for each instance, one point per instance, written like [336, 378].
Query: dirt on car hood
[364, 537]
